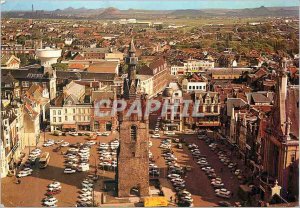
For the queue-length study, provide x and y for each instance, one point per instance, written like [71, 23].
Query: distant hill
[114, 13]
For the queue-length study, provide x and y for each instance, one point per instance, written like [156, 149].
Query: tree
[60, 66]
[21, 39]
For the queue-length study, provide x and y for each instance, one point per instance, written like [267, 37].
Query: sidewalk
[168, 192]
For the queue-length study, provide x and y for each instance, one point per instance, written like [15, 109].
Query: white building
[175, 70]
[71, 116]
[146, 84]
[191, 66]
[196, 83]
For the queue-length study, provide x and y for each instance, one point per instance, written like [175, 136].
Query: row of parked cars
[108, 155]
[216, 181]
[77, 158]
[175, 173]
[85, 198]
[75, 133]
[52, 189]
[26, 170]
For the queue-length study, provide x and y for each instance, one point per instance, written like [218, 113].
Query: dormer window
[133, 133]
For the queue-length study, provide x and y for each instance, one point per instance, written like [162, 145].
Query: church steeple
[131, 82]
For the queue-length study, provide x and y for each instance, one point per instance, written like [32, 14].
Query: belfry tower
[133, 154]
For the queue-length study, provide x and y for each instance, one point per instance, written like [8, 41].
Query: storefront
[84, 126]
[69, 127]
[172, 127]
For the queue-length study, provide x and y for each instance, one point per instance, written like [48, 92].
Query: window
[74, 110]
[66, 118]
[59, 119]
[66, 111]
[25, 83]
[200, 87]
[96, 125]
[133, 132]
[54, 119]
[293, 157]
[54, 112]
[74, 118]
[190, 87]
[59, 112]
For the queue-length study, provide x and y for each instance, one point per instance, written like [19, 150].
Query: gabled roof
[71, 98]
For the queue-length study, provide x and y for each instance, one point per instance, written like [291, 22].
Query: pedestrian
[171, 198]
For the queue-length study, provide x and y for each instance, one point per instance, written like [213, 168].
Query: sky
[9, 5]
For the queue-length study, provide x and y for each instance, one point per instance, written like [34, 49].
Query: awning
[84, 123]
[69, 126]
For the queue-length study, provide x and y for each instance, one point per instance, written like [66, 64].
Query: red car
[50, 193]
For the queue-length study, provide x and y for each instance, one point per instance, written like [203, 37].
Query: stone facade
[133, 158]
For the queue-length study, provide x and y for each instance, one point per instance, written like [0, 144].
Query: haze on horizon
[21, 5]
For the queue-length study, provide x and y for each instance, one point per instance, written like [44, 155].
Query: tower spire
[132, 46]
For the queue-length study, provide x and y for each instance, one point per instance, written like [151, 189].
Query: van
[85, 167]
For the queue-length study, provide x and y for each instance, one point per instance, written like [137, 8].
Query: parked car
[224, 193]
[170, 133]
[65, 144]
[105, 134]
[69, 170]
[155, 136]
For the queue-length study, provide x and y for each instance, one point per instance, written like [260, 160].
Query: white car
[65, 144]
[34, 154]
[90, 142]
[84, 154]
[217, 184]
[86, 190]
[98, 133]
[105, 134]
[54, 189]
[73, 149]
[155, 136]
[59, 141]
[85, 195]
[83, 167]
[36, 150]
[187, 199]
[84, 150]
[23, 174]
[28, 170]
[71, 157]
[47, 144]
[73, 133]
[50, 201]
[69, 170]
[54, 184]
[224, 193]
[170, 133]
[172, 176]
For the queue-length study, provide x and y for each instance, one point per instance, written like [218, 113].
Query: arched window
[133, 133]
